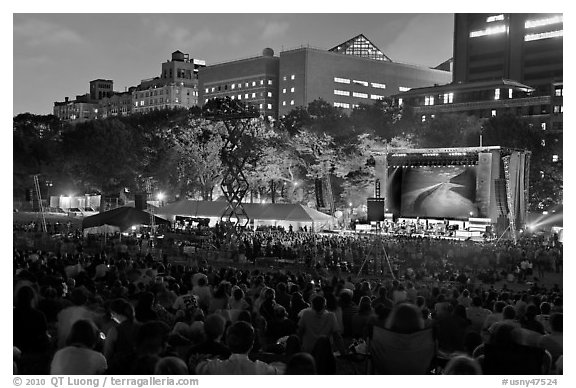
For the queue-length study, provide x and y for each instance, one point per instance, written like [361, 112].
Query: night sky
[56, 55]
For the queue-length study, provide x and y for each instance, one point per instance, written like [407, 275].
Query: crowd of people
[424, 306]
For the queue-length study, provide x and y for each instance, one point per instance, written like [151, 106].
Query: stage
[469, 191]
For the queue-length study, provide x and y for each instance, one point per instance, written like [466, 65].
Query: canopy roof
[122, 217]
[255, 211]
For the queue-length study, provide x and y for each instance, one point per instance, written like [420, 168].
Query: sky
[56, 55]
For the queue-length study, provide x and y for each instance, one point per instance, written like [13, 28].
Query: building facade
[253, 81]
[345, 80]
[176, 87]
[351, 73]
[527, 48]
[502, 62]
[79, 110]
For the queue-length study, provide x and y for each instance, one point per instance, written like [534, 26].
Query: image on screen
[438, 191]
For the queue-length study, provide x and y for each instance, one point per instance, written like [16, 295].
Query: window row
[268, 106]
[292, 77]
[284, 102]
[238, 85]
[359, 82]
[291, 90]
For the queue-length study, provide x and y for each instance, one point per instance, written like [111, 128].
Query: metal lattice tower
[148, 194]
[236, 119]
[39, 199]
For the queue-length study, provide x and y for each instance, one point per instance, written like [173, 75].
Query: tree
[196, 150]
[546, 179]
[102, 155]
[449, 130]
[36, 145]
[382, 118]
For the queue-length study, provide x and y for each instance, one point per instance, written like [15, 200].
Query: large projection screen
[438, 191]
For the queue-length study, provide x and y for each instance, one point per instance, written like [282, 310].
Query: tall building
[350, 73]
[176, 87]
[502, 62]
[78, 110]
[251, 80]
[527, 48]
[101, 88]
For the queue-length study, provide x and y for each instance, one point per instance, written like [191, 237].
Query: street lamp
[160, 198]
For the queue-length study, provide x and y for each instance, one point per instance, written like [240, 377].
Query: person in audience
[462, 365]
[301, 364]
[240, 339]
[170, 366]
[78, 357]
[553, 342]
[317, 322]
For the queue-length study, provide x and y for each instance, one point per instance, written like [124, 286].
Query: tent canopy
[122, 217]
[255, 211]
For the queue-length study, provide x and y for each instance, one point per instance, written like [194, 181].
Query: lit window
[432, 116]
[341, 92]
[269, 94]
[494, 18]
[543, 143]
[361, 95]
[429, 100]
[544, 35]
[239, 86]
[558, 109]
[292, 76]
[253, 95]
[239, 96]
[283, 103]
[544, 22]
[488, 31]
[341, 105]
[554, 158]
[261, 82]
[269, 82]
[233, 86]
[558, 91]
[363, 83]
[341, 80]
[260, 106]
[246, 96]
[400, 101]
[247, 84]
[423, 118]
[509, 93]
[355, 106]
[253, 83]
[291, 102]
[269, 106]
[403, 88]
[377, 85]
[284, 90]
[496, 94]
[233, 97]
[284, 78]
[493, 112]
[376, 97]
[142, 103]
[543, 126]
[292, 90]
[213, 90]
[207, 90]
